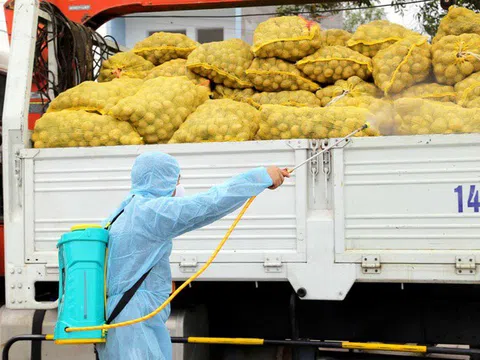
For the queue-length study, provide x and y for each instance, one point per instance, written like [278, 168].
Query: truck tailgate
[64, 187]
[409, 199]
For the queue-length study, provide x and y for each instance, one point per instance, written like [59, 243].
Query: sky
[408, 19]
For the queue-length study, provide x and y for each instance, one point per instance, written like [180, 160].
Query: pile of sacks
[295, 81]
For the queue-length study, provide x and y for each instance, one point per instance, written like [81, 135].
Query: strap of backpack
[126, 297]
[109, 225]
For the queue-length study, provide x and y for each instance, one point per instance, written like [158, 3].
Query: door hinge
[188, 264]
[272, 264]
[18, 168]
[465, 265]
[371, 264]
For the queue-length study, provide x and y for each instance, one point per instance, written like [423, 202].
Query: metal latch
[465, 265]
[272, 264]
[326, 168]
[371, 264]
[314, 168]
[188, 264]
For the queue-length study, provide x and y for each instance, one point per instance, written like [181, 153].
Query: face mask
[180, 191]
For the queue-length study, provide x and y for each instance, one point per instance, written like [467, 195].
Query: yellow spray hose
[177, 291]
[209, 261]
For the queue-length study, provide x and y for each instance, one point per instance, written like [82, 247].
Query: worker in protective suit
[141, 239]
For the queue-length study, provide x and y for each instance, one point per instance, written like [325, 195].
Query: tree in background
[429, 12]
[353, 19]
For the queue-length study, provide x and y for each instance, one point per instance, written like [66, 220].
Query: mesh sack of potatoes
[431, 91]
[420, 116]
[223, 62]
[93, 96]
[403, 64]
[223, 92]
[124, 64]
[289, 122]
[456, 57]
[468, 91]
[458, 21]
[274, 74]
[286, 37]
[287, 98]
[160, 106]
[370, 38]
[382, 111]
[218, 121]
[332, 63]
[176, 67]
[352, 87]
[79, 128]
[332, 37]
[163, 46]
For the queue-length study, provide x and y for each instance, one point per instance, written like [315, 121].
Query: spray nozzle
[366, 125]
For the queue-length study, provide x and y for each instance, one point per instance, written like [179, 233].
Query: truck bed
[377, 209]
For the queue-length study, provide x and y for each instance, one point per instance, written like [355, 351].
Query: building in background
[200, 25]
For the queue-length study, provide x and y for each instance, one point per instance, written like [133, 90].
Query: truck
[376, 240]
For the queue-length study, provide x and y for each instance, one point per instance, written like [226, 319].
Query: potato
[430, 91]
[176, 67]
[352, 87]
[93, 96]
[124, 64]
[222, 92]
[382, 117]
[276, 75]
[332, 63]
[458, 21]
[455, 58]
[377, 35]
[219, 120]
[223, 62]
[160, 106]
[420, 116]
[332, 37]
[163, 46]
[79, 128]
[402, 65]
[286, 37]
[287, 98]
[288, 122]
[468, 91]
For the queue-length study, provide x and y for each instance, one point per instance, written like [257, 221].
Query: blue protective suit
[141, 238]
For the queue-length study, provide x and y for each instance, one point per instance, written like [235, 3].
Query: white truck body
[391, 199]
[383, 209]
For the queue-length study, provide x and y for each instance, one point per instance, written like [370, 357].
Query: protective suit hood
[154, 174]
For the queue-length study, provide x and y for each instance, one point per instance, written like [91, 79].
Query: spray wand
[366, 125]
